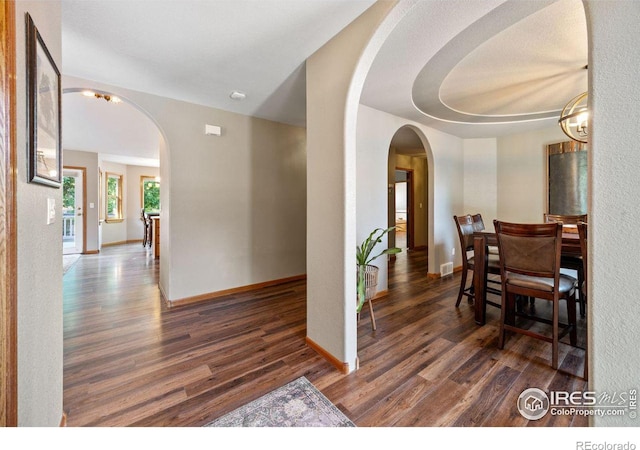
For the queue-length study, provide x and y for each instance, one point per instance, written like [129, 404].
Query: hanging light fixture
[574, 119]
[106, 97]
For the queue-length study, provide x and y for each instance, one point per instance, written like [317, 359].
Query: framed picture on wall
[567, 178]
[44, 137]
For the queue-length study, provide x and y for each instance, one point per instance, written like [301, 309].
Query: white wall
[480, 179]
[401, 200]
[40, 326]
[522, 174]
[448, 198]
[614, 208]
[444, 155]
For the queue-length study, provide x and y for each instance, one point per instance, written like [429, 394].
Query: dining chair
[478, 225]
[145, 228]
[466, 226]
[530, 266]
[572, 262]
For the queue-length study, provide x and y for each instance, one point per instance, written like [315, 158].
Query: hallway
[130, 361]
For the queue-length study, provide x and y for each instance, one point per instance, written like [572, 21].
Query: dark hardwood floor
[130, 361]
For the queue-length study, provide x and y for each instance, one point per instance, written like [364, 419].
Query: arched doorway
[115, 143]
[408, 191]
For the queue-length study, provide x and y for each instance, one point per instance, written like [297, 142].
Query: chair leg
[582, 298]
[503, 318]
[373, 318]
[149, 236]
[554, 342]
[571, 312]
[463, 282]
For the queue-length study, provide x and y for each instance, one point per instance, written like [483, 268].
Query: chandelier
[574, 119]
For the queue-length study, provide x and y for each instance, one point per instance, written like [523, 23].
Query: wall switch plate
[92, 205]
[51, 210]
[453, 251]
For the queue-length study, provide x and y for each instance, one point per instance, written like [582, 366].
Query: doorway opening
[408, 192]
[73, 218]
[404, 208]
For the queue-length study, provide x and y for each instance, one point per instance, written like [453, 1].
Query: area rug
[296, 404]
[68, 261]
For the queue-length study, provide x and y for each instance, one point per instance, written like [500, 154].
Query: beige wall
[89, 161]
[40, 326]
[233, 206]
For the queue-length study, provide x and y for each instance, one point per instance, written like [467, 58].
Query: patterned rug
[296, 404]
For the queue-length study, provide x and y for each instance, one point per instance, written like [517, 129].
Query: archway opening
[408, 179]
[113, 140]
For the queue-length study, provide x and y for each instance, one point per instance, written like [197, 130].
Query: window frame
[118, 197]
[143, 179]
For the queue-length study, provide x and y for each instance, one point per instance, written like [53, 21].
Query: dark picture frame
[44, 93]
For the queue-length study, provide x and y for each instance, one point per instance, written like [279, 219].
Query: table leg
[480, 279]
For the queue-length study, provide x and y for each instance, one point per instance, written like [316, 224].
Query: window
[114, 197]
[150, 193]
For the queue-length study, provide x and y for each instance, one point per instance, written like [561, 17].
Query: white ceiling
[482, 68]
[117, 131]
[478, 68]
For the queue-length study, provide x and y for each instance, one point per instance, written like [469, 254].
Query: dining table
[482, 240]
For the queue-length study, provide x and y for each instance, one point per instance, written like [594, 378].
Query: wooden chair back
[530, 249]
[466, 226]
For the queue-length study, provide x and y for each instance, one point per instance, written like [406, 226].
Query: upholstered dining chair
[530, 263]
[572, 262]
[466, 226]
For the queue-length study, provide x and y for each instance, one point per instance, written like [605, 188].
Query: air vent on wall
[446, 269]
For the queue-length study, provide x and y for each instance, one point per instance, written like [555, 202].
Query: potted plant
[367, 273]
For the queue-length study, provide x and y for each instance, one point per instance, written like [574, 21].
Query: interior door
[73, 211]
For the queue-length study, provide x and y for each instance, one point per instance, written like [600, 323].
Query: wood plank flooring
[130, 361]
